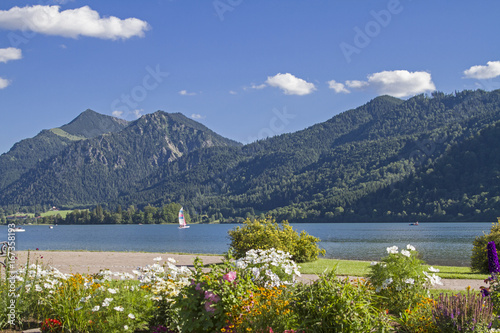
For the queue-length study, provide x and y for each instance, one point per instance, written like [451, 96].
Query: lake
[438, 243]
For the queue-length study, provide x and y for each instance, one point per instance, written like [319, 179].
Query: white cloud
[4, 83]
[338, 87]
[71, 22]
[117, 113]
[400, 83]
[137, 113]
[232, 92]
[290, 84]
[491, 70]
[185, 93]
[260, 86]
[356, 84]
[197, 116]
[10, 53]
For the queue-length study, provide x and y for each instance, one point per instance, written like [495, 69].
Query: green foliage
[334, 305]
[265, 234]
[479, 257]
[149, 215]
[401, 279]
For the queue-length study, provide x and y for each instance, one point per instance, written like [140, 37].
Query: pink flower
[208, 307]
[231, 276]
[213, 298]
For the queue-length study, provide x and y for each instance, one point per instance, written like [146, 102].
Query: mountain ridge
[321, 173]
[26, 153]
[114, 159]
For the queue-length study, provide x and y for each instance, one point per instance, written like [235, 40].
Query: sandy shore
[93, 262]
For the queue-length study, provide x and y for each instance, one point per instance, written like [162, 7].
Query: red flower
[51, 326]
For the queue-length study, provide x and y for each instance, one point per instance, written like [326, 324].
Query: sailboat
[182, 221]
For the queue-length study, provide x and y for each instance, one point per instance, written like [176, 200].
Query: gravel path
[93, 262]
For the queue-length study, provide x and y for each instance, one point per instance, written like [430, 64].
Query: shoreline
[91, 262]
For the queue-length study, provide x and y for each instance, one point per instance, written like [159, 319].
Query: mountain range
[428, 158]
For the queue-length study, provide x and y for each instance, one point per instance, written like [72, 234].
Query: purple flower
[493, 265]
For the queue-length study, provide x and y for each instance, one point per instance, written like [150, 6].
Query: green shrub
[479, 258]
[333, 305]
[265, 234]
[401, 279]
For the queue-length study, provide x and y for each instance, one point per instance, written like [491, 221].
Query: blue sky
[247, 69]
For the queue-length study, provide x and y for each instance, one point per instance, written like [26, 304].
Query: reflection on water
[438, 243]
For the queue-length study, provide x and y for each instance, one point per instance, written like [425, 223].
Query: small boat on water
[18, 229]
[415, 224]
[182, 220]
[51, 227]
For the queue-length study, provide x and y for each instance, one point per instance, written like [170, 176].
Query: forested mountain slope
[100, 169]
[463, 184]
[352, 167]
[318, 173]
[25, 154]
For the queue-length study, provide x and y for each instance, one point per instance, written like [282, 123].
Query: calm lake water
[438, 243]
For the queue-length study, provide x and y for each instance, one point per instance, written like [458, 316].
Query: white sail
[182, 220]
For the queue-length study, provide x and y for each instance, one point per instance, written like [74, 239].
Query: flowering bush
[33, 286]
[101, 303]
[493, 292]
[479, 258]
[463, 313]
[104, 302]
[333, 305]
[418, 319]
[266, 310]
[266, 234]
[205, 304]
[270, 268]
[401, 279]
[165, 283]
[493, 265]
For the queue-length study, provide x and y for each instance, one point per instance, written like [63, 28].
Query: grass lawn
[63, 213]
[361, 268]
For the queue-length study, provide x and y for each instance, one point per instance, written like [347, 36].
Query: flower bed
[256, 293]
